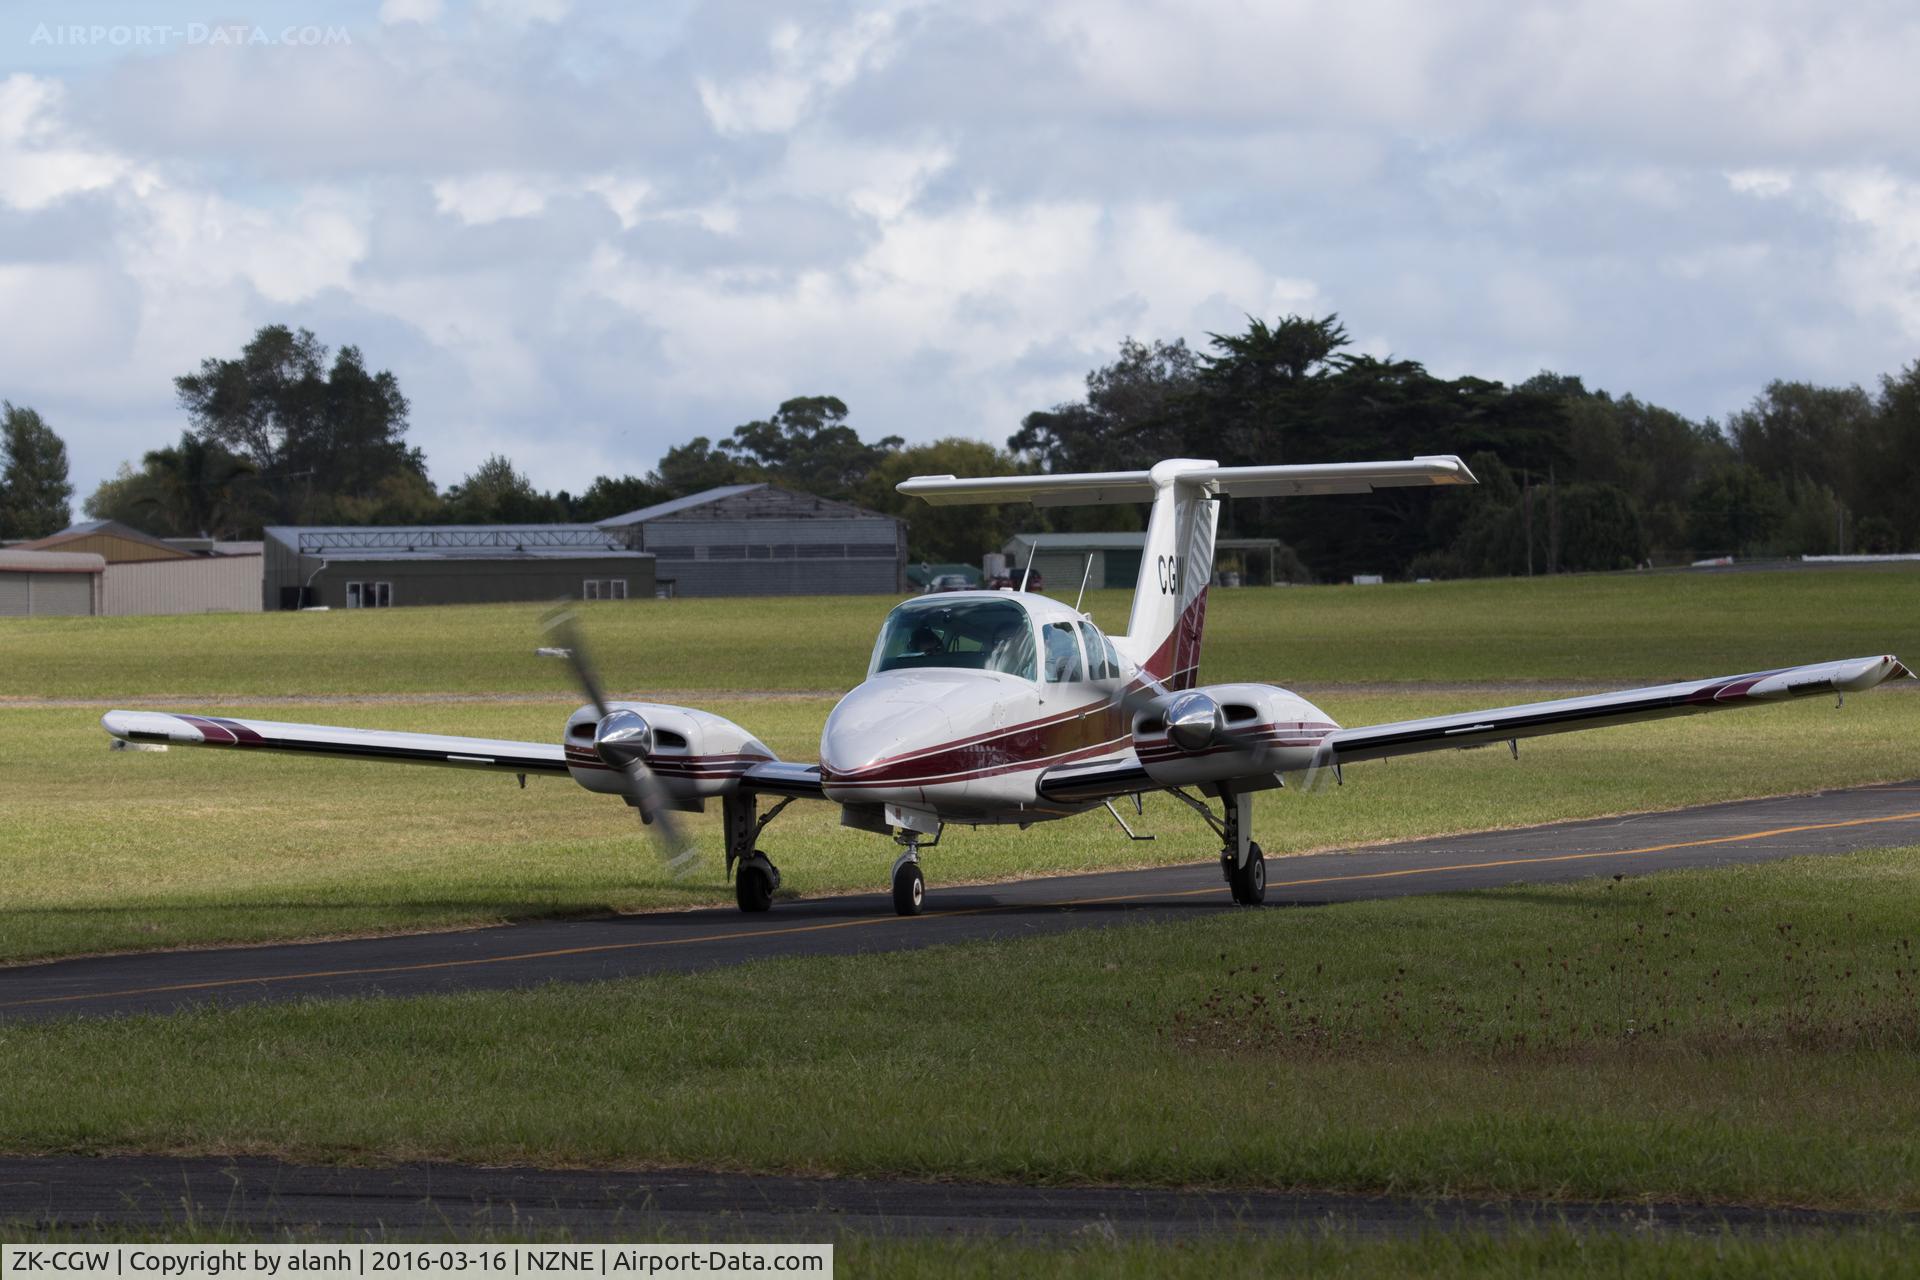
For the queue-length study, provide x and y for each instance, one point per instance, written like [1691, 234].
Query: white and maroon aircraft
[1010, 707]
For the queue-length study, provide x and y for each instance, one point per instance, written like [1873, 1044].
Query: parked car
[1035, 582]
[949, 582]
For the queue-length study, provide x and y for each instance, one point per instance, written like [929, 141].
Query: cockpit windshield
[984, 635]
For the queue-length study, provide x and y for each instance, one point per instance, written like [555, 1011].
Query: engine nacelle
[1194, 721]
[694, 753]
[1226, 731]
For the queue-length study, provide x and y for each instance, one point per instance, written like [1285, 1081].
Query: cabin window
[1063, 654]
[1102, 662]
[983, 635]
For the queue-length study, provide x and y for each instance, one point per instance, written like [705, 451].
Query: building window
[603, 589]
[369, 595]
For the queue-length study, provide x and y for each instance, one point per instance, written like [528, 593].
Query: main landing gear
[1241, 861]
[1242, 865]
[755, 877]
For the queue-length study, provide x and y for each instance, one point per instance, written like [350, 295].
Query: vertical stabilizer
[1170, 599]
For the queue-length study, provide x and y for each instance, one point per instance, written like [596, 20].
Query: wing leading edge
[181, 729]
[1091, 783]
[1564, 715]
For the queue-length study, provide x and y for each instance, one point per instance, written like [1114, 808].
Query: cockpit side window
[1063, 654]
[1100, 656]
[984, 635]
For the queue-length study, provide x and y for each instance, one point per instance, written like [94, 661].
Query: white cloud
[1880, 262]
[189, 240]
[985, 286]
[879, 182]
[807, 66]
[625, 194]
[480, 198]
[522, 12]
[1767, 184]
[41, 163]
[421, 11]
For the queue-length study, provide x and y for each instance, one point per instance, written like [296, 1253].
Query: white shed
[50, 583]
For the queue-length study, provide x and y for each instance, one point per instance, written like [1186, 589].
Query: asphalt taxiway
[253, 1197]
[585, 950]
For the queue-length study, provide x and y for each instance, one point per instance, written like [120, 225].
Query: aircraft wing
[181, 729]
[1563, 715]
[1101, 780]
[784, 778]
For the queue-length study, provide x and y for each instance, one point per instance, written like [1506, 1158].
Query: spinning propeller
[623, 740]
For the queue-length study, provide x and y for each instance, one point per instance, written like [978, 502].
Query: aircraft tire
[909, 890]
[1249, 883]
[753, 887]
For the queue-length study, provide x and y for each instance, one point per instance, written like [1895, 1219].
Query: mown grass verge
[1327, 1253]
[114, 851]
[1744, 1035]
[1598, 628]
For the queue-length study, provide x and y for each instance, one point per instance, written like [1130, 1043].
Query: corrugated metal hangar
[149, 575]
[38, 584]
[762, 540]
[349, 567]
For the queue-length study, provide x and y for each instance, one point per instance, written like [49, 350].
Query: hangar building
[762, 540]
[49, 583]
[148, 575]
[370, 567]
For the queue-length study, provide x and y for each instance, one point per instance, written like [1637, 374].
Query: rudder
[1169, 616]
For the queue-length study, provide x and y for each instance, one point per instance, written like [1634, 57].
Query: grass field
[1578, 629]
[1745, 1035]
[1553, 1254]
[111, 851]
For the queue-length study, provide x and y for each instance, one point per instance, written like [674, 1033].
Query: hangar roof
[21, 560]
[453, 542]
[768, 501]
[143, 545]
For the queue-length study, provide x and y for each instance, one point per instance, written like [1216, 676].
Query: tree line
[1572, 478]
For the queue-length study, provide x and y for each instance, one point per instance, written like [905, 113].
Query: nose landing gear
[909, 886]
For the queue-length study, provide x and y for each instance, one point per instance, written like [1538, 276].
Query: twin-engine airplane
[1010, 707]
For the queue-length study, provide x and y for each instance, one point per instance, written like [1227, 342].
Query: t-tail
[1170, 599]
[1169, 615]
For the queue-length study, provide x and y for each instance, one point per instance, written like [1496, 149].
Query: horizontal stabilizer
[1096, 487]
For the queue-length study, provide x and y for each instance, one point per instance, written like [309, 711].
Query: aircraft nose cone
[880, 721]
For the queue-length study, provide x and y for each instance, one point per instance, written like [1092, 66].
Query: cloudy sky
[581, 235]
